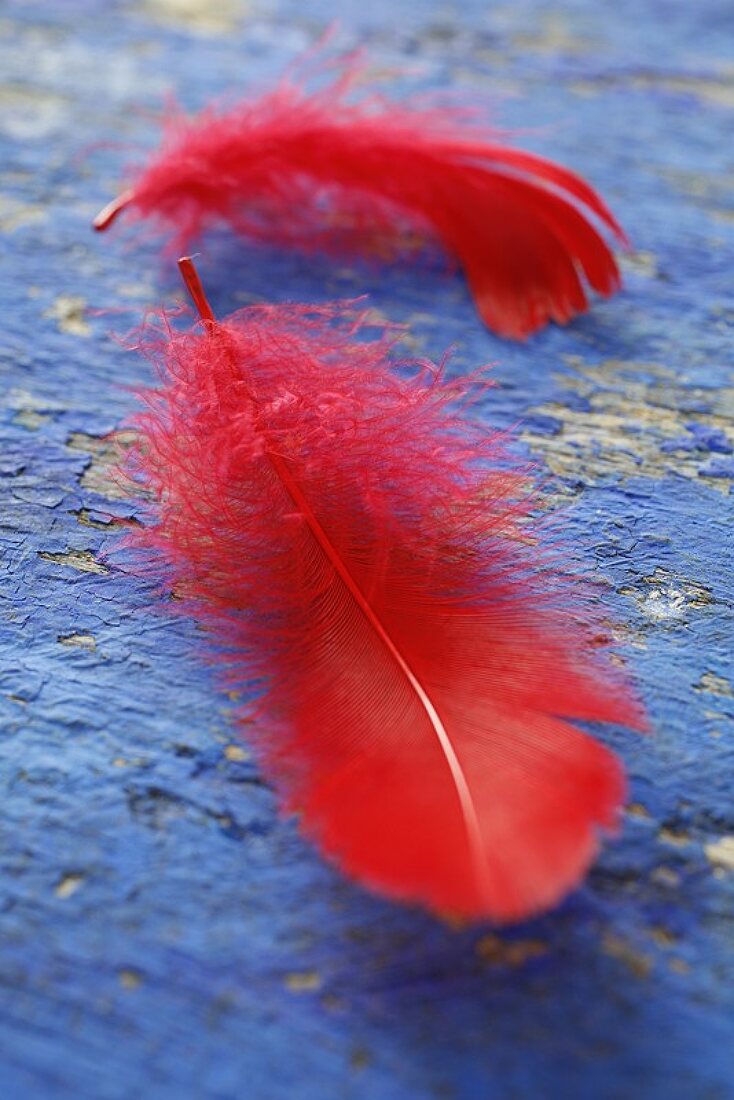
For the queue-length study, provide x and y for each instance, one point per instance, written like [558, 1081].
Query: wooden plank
[162, 933]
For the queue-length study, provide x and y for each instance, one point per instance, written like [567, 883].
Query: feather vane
[321, 169]
[355, 541]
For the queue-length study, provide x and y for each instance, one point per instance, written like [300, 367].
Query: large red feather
[321, 169]
[345, 531]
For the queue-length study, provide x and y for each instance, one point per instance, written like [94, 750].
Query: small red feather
[321, 170]
[344, 530]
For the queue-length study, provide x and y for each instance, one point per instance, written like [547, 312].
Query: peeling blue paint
[163, 934]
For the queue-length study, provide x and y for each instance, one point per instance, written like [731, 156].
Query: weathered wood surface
[163, 934]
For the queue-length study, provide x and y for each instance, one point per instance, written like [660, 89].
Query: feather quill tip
[109, 213]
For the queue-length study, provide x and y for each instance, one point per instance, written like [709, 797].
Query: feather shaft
[474, 835]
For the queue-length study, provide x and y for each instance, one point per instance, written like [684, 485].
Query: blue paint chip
[708, 438]
[575, 402]
[539, 424]
[680, 443]
[718, 467]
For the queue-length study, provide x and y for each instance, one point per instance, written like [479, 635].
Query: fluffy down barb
[323, 169]
[345, 532]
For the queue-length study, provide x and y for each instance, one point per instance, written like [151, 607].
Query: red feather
[320, 170]
[341, 529]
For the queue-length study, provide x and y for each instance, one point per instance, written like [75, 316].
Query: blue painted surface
[162, 933]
